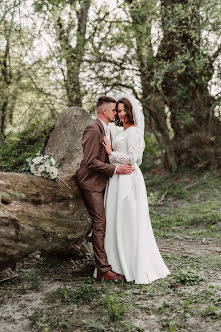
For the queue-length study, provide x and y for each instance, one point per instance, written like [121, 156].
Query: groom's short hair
[104, 100]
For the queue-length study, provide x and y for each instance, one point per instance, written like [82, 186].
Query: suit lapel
[101, 127]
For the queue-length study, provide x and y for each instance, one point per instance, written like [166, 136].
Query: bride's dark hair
[128, 109]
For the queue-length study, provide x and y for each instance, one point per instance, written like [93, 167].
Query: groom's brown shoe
[109, 275]
[121, 276]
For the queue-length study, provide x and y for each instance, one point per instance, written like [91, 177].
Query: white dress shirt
[107, 130]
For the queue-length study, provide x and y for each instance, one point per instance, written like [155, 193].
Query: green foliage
[19, 147]
[177, 190]
[152, 154]
[115, 307]
[211, 312]
[188, 277]
[87, 292]
[166, 222]
[151, 145]
[39, 4]
[160, 51]
[205, 219]
[36, 316]
[190, 206]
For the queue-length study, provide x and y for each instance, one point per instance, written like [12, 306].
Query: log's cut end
[40, 214]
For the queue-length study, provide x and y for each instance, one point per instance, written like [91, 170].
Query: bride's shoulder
[132, 132]
[132, 129]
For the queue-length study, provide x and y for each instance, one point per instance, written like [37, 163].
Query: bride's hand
[107, 145]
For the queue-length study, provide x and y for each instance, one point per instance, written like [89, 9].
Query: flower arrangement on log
[43, 166]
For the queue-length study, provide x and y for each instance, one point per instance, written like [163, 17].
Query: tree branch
[215, 55]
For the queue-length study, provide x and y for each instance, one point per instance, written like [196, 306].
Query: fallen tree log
[41, 214]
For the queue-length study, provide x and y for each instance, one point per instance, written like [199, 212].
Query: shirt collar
[104, 124]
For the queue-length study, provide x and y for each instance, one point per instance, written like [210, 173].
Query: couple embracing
[113, 188]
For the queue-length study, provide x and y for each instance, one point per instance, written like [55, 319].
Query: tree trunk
[197, 132]
[73, 56]
[152, 100]
[3, 118]
[5, 83]
[41, 214]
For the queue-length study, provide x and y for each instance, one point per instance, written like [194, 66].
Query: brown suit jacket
[95, 169]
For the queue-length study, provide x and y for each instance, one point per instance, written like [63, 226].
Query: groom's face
[110, 111]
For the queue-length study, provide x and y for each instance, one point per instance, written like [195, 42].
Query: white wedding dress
[129, 241]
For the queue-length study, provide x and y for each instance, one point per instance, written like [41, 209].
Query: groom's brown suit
[92, 178]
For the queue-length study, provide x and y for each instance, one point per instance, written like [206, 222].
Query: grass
[116, 308]
[84, 294]
[187, 226]
[86, 305]
[188, 277]
[191, 205]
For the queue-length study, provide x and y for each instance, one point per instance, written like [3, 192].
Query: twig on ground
[191, 185]
[9, 278]
[160, 201]
[73, 262]
[74, 246]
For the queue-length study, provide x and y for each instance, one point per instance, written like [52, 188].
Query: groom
[92, 178]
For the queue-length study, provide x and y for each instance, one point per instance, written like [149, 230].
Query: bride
[129, 240]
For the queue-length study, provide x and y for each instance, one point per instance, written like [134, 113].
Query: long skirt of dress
[129, 240]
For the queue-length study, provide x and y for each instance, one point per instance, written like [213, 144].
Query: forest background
[55, 54]
[167, 53]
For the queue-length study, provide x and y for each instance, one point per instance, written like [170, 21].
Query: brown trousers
[95, 205]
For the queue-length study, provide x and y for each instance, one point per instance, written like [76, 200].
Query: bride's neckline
[128, 128]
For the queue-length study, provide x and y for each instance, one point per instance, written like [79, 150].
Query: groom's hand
[124, 169]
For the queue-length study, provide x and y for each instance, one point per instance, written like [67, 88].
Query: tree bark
[41, 214]
[7, 79]
[73, 56]
[5, 83]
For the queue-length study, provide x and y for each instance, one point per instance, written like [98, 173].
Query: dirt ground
[36, 300]
[50, 294]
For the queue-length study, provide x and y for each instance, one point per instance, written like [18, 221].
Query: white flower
[46, 164]
[53, 161]
[41, 168]
[53, 172]
[54, 169]
[37, 160]
[32, 168]
[37, 173]
[48, 169]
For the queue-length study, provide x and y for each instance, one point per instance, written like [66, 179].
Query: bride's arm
[131, 157]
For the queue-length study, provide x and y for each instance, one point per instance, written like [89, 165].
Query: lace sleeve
[131, 157]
